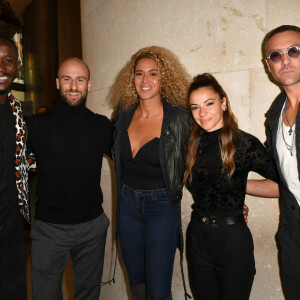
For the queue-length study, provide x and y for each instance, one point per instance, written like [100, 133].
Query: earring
[224, 108]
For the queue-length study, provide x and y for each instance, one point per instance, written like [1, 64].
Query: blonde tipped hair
[174, 79]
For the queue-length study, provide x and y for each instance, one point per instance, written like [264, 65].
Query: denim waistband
[144, 192]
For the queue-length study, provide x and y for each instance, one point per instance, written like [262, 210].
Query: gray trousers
[51, 246]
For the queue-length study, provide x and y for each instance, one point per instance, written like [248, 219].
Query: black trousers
[13, 262]
[220, 260]
[289, 247]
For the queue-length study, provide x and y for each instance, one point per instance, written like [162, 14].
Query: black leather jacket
[175, 130]
[174, 133]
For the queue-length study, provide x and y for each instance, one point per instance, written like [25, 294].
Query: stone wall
[217, 36]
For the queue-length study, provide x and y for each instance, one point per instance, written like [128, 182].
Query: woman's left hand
[245, 212]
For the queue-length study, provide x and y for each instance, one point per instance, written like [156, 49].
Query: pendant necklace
[290, 131]
[285, 112]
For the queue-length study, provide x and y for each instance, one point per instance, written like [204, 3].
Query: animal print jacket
[23, 162]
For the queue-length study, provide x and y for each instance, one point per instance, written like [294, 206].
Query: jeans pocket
[106, 220]
[161, 198]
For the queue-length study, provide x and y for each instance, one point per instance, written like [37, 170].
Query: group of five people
[167, 132]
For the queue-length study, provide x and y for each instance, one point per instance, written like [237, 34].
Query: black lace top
[213, 193]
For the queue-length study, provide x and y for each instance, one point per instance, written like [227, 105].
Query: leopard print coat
[23, 162]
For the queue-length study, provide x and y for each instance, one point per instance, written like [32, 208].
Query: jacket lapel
[273, 120]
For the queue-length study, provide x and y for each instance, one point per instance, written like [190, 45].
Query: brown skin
[245, 212]
[9, 68]
[73, 81]
[147, 120]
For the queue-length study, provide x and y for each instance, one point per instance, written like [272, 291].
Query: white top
[288, 162]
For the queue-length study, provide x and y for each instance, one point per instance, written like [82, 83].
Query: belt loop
[137, 196]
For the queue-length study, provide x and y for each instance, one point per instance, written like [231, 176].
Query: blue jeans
[148, 236]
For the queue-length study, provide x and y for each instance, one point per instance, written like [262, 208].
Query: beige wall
[218, 36]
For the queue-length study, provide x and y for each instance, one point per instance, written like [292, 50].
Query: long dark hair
[229, 130]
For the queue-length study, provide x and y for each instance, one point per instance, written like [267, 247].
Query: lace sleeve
[257, 159]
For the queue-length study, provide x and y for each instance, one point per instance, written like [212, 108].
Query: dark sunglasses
[276, 55]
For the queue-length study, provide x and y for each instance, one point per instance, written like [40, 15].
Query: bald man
[69, 142]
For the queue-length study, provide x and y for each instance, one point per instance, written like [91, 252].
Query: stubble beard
[288, 81]
[78, 102]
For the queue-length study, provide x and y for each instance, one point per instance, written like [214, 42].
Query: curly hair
[229, 130]
[174, 79]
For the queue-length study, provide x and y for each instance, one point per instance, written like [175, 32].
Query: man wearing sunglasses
[282, 47]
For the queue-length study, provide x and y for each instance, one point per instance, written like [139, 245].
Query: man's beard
[80, 101]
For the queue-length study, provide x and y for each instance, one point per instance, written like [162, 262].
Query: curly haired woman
[220, 156]
[151, 127]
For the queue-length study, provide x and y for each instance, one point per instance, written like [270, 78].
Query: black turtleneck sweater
[69, 143]
[212, 192]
